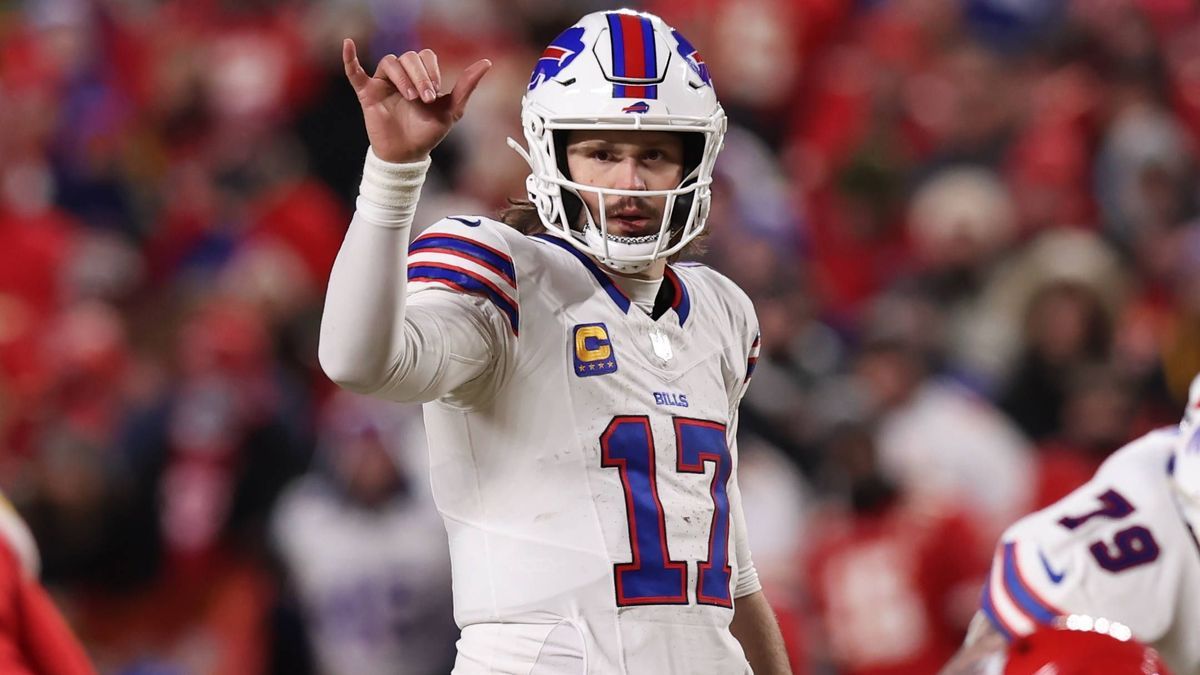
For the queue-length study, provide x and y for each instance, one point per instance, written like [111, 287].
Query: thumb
[466, 86]
[354, 71]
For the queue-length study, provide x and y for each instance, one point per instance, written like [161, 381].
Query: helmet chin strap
[620, 249]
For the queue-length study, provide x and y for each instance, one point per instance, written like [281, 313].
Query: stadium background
[969, 228]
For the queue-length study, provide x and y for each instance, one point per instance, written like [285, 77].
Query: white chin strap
[621, 247]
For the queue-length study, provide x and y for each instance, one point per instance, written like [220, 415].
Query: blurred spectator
[1063, 292]
[961, 222]
[364, 548]
[1011, 334]
[777, 499]
[894, 580]
[206, 459]
[1066, 329]
[75, 491]
[797, 352]
[1144, 175]
[1097, 418]
[939, 442]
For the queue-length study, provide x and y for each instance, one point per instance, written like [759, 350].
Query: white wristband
[389, 191]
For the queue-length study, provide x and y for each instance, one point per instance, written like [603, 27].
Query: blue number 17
[652, 578]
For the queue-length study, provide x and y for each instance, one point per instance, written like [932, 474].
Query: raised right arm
[370, 341]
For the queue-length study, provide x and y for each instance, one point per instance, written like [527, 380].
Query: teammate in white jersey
[1122, 546]
[580, 392]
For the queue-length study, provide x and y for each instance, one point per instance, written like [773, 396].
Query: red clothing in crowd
[895, 590]
[1061, 469]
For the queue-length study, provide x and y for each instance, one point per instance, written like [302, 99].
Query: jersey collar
[681, 300]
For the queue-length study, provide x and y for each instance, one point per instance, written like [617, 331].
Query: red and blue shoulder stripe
[752, 357]
[466, 265]
[1010, 602]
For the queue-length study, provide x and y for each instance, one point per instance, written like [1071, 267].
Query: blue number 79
[1134, 545]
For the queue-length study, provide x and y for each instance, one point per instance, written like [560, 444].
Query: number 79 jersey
[588, 479]
[1117, 548]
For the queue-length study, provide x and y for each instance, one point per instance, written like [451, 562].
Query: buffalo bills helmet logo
[693, 58]
[639, 107]
[557, 56]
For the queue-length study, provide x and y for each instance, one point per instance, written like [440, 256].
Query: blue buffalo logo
[557, 56]
[639, 107]
[693, 58]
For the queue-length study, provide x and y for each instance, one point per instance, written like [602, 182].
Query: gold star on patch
[581, 369]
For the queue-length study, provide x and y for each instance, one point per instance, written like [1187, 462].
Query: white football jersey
[1117, 548]
[587, 478]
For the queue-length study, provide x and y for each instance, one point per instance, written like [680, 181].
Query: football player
[34, 638]
[1121, 546]
[580, 386]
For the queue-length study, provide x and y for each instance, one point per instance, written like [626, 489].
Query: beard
[629, 219]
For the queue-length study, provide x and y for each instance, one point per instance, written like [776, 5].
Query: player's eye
[602, 155]
[654, 155]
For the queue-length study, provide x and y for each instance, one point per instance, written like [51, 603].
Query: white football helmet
[1185, 463]
[1191, 415]
[620, 70]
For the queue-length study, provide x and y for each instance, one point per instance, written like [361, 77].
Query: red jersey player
[34, 638]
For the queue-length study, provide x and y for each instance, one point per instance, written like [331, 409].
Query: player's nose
[628, 175]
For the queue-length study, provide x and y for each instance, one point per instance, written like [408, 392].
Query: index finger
[354, 70]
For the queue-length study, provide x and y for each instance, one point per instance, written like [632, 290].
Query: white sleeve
[747, 576]
[369, 343]
[1092, 553]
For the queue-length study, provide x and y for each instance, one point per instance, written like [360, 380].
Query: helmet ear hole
[679, 216]
[693, 154]
[572, 204]
[560, 152]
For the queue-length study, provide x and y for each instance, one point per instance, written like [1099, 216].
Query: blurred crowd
[969, 228]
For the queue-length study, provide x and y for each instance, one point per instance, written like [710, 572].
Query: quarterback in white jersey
[1123, 546]
[580, 393]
